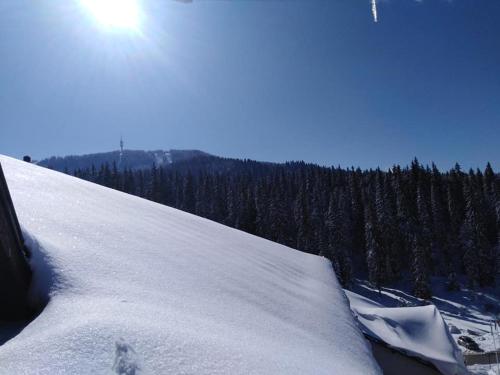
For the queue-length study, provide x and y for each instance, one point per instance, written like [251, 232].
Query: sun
[115, 14]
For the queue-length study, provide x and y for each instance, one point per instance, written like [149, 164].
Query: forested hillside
[125, 159]
[412, 222]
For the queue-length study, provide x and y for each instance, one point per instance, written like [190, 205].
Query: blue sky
[268, 80]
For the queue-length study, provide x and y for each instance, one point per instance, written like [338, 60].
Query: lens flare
[374, 11]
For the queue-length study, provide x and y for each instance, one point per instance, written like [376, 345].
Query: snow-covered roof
[140, 288]
[416, 331]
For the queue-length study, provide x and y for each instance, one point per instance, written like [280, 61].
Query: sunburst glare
[115, 14]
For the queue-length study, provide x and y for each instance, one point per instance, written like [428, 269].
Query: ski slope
[135, 287]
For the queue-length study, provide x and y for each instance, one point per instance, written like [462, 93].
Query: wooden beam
[15, 273]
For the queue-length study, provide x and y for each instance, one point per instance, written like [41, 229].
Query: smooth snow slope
[139, 288]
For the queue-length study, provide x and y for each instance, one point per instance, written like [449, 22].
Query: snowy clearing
[139, 288]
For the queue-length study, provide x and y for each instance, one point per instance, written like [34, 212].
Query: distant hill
[130, 159]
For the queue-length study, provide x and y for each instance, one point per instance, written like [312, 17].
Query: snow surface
[418, 331]
[466, 311]
[140, 288]
[484, 369]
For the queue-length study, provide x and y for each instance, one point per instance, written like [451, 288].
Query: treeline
[386, 226]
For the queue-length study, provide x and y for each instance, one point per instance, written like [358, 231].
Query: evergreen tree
[302, 221]
[421, 285]
[478, 257]
[374, 255]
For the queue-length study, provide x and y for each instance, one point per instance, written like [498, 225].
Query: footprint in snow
[126, 362]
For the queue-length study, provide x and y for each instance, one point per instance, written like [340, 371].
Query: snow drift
[140, 288]
[417, 331]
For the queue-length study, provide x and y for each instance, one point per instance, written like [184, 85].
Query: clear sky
[309, 80]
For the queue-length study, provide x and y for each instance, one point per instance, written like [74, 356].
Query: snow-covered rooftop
[139, 288]
[416, 331]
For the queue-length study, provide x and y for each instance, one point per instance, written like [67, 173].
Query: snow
[484, 369]
[134, 287]
[466, 311]
[417, 331]
[162, 157]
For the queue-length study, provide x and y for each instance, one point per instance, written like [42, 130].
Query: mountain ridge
[128, 159]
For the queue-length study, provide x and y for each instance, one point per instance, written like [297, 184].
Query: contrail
[374, 10]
